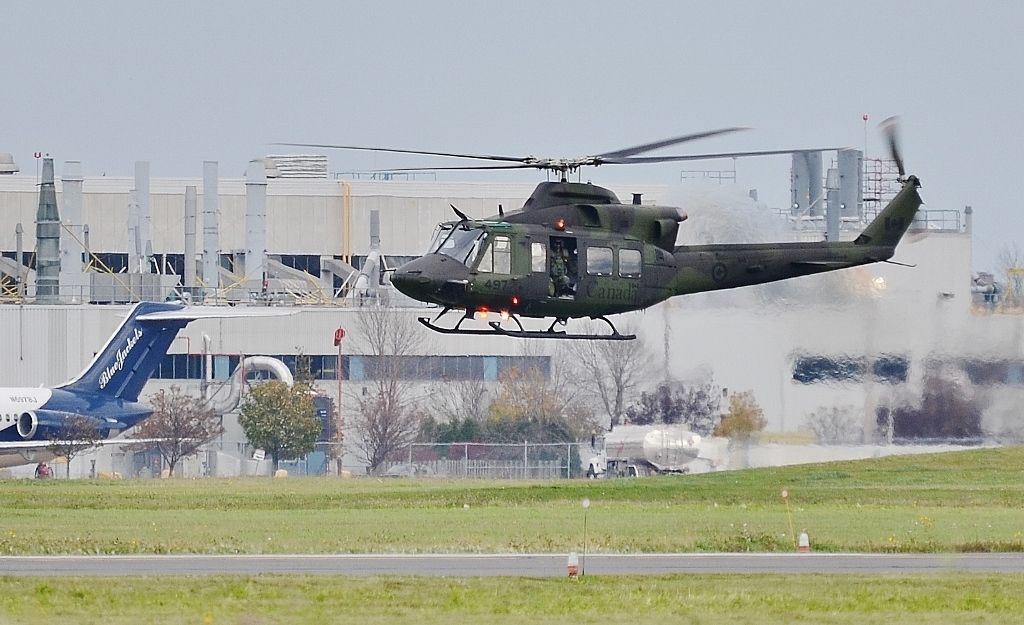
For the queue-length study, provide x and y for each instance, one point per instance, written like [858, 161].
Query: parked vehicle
[634, 450]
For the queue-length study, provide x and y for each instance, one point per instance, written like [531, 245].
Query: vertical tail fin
[892, 223]
[124, 365]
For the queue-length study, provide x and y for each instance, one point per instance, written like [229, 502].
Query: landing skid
[550, 333]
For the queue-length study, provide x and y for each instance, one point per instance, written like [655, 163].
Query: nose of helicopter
[432, 278]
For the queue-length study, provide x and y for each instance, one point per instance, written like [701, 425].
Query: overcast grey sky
[179, 82]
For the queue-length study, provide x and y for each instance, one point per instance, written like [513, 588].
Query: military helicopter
[574, 250]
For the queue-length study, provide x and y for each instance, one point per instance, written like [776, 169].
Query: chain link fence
[513, 461]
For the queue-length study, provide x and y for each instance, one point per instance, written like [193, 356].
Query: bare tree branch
[77, 434]
[389, 414]
[180, 425]
[609, 372]
[834, 424]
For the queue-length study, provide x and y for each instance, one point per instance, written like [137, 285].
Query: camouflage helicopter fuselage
[574, 250]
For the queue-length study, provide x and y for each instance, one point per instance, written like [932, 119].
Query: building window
[360, 367]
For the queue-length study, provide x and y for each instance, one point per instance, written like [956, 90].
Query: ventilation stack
[47, 239]
[806, 188]
[851, 182]
[190, 240]
[140, 229]
[72, 248]
[833, 212]
[256, 221]
[211, 247]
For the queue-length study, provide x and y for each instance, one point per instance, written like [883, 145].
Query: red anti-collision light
[560, 224]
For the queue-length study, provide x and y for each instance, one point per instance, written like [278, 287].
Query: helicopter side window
[539, 257]
[497, 256]
[599, 261]
[629, 263]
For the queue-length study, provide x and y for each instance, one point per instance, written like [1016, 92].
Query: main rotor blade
[890, 127]
[485, 157]
[664, 143]
[460, 168]
[701, 157]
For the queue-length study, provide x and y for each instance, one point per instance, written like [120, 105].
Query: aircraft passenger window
[539, 258]
[599, 261]
[629, 263]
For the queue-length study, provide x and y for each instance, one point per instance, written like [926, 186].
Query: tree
[834, 425]
[76, 434]
[743, 420]
[179, 426]
[695, 405]
[948, 409]
[537, 406]
[458, 401]
[280, 419]
[610, 371]
[1011, 256]
[388, 415]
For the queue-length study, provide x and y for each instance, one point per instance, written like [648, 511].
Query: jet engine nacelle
[28, 423]
[47, 424]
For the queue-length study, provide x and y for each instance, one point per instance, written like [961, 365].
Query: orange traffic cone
[804, 543]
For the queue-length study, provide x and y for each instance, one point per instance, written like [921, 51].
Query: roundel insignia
[718, 272]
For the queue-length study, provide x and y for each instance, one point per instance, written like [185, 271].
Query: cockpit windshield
[458, 241]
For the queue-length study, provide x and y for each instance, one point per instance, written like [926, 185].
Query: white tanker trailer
[631, 450]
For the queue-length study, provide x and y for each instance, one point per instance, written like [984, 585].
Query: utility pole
[339, 334]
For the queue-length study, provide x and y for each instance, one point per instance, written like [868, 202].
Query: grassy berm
[964, 501]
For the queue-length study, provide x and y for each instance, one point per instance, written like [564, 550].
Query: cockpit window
[460, 242]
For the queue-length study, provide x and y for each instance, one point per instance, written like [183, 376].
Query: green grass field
[704, 599]
[951, 502]
[966, 501]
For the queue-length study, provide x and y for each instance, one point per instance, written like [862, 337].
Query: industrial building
[864, 338]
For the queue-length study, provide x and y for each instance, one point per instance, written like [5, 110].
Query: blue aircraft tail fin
[123, 366]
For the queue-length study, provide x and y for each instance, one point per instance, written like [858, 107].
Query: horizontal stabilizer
[192, 313]
[824, 264]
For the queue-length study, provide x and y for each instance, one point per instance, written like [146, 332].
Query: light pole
[583, 563]
[339, 334]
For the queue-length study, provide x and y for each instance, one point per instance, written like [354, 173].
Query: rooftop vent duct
[7, 165]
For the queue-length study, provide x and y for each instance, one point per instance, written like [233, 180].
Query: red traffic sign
[338, 335]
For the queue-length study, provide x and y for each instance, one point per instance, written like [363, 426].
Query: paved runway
[532, 565]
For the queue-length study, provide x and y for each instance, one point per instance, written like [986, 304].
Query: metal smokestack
[374, 274]
[19, 235]
[134, 238]
[72, 275]
[833, 209]
[145, 224]
[211, 249]
[190, 239]
[47, 239]
[255, 220]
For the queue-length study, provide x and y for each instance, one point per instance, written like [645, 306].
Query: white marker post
[583, 563]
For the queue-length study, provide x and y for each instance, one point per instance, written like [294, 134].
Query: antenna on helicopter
[462, 215]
